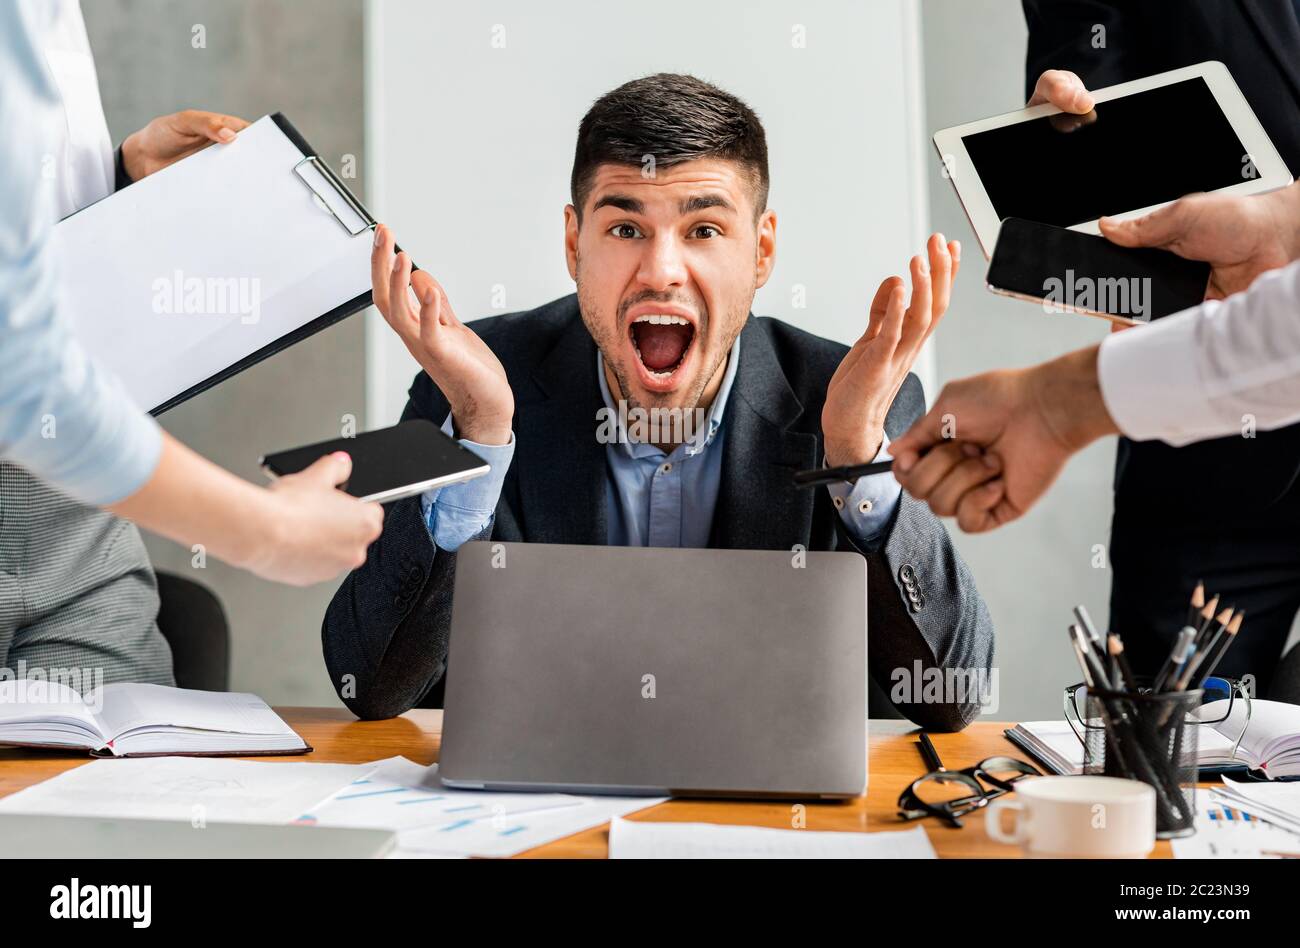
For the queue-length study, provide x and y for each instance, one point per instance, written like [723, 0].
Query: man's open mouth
[662, 342]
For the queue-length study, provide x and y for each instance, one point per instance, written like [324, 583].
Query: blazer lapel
[1282, 35]
[758, 507]
[560, 464]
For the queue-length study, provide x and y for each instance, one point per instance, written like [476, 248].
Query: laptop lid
[648, 671]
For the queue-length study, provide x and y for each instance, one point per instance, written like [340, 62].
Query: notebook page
[131, 706]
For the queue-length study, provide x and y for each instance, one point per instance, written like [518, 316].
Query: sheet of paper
[211, 789]
[635, 839]
[402, 795]
[1228, 832]
[510, 834]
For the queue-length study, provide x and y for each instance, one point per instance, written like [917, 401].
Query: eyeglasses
[1225, 700]
[952, 794]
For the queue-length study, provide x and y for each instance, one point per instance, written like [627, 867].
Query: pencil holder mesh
[1151, 738]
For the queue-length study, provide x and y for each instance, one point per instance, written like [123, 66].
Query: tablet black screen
[1142, 149]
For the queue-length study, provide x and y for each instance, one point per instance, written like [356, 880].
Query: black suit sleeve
[930, 636]
[1091, 38]
[386, 630]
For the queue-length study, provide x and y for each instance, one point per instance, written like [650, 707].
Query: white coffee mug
[1080, 817]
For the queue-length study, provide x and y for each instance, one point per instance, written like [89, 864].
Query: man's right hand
[1240, 237]
[466, 371]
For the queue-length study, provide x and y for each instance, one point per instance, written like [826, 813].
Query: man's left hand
[867, 381]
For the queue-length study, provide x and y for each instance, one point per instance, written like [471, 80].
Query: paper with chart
[1224, 831]
[215, 790]
[433, 820]
[401, 795]
[636, 839]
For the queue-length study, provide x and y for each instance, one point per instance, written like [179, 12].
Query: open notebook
[1270, 744]
[138, 720]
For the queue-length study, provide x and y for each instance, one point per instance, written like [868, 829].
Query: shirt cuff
[457, 512]
[867, 506]
[1150, 383]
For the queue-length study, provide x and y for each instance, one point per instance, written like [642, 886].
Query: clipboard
[193, 274]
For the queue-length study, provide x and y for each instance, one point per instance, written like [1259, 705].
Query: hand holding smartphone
[1075, 272]
[390, 463]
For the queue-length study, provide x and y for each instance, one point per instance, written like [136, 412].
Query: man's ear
[571, 240]
[766, 253]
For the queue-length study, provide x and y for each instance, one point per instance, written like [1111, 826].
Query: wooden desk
[893, 762]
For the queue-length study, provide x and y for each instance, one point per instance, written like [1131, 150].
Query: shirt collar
[700, 439]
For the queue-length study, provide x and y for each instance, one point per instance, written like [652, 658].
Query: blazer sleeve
[386, 630]
[926, 620]
[1088, 37]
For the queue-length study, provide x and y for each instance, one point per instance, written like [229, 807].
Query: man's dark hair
[675, 118]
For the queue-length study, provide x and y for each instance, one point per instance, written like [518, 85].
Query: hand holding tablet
[1142, 145]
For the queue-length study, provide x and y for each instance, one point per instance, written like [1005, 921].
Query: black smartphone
[390, 463]
[1068, 271]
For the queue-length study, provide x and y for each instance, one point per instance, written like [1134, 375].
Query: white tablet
[1148, 142]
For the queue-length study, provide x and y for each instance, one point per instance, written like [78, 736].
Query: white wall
[471, 144]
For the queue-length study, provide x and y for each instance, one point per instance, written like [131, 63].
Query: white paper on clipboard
[192, 270]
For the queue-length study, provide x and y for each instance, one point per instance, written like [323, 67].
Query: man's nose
[663, 264]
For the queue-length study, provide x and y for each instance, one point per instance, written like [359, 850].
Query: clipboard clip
[334, 195]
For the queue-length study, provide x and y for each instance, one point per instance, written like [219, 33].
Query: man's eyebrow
[621, 201]
[702, 202]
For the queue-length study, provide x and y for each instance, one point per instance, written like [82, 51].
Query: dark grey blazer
[385, 632]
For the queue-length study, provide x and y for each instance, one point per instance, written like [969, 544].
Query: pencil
[1225, 643]
[1198, 601]
[1126, 677]
[1175, 656]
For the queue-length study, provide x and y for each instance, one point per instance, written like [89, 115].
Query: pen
[834, 475]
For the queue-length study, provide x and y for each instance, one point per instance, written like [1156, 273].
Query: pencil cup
[1151, 738]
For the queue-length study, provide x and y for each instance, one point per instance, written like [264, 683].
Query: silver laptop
[652, 671]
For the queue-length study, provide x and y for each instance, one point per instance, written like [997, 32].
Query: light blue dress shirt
[62, 416]
[654, 499]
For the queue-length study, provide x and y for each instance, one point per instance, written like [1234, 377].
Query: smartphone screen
[406, 459]
[1074, 272]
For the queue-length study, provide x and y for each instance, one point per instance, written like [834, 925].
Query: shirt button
[838, 502]
[865, 507]
[666, 467]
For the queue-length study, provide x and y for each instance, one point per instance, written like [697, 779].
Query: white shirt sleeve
[62, 416]
[1225, 367]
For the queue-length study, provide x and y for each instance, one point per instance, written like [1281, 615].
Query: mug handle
[993, 821]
